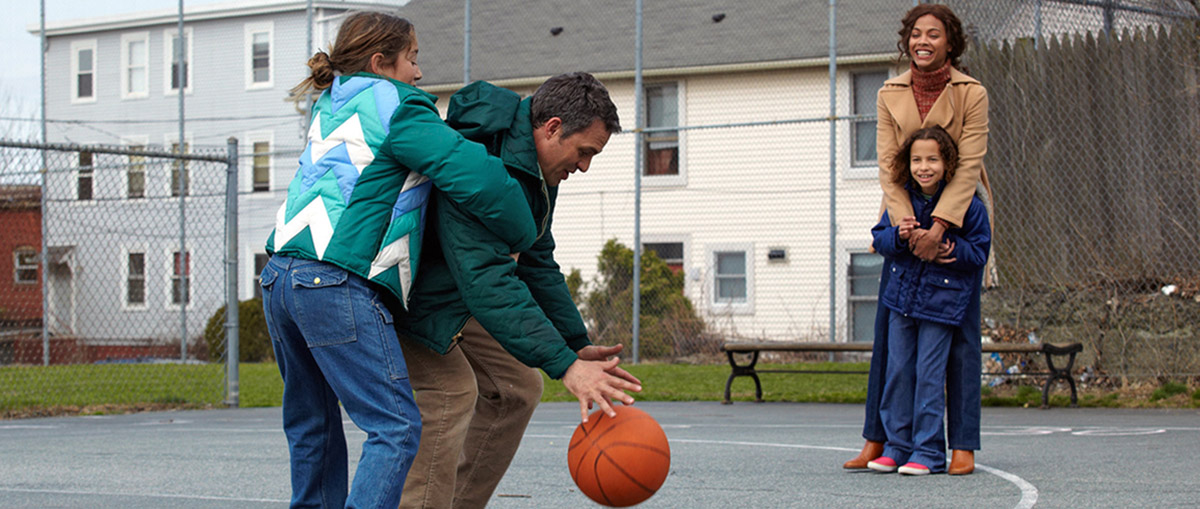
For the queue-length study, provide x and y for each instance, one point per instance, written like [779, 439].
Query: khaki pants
[475, 403]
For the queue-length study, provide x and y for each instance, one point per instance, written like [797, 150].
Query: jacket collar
[399, 84]
[518, 150]
[897, 95]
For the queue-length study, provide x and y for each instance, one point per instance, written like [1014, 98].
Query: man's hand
[924, 243]
[603, 353]
[906, 226]
[945, 249]
[595, 382]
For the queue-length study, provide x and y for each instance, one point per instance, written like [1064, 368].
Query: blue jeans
[334, 341]
[962, 378]
[913, 401]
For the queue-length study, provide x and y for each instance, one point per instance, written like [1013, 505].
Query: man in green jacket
[481, 318]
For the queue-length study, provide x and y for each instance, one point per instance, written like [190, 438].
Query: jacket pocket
[943, 294]
[321, 300]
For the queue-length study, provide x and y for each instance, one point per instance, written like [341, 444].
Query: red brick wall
[19, 303]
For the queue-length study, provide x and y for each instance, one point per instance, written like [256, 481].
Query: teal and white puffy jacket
[375, 148]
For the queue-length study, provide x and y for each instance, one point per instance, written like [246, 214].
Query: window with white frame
[25, 266]
[261, 166]
[180, 167]
[171, 62]
[259, 52]
[732, 277]
[863, 298]
[260, 262]
[135, 65]
[83, 68]
[862, 136]
[86, 176]
[135, 170]
[181, 275]
[135, 278]
[661, 148]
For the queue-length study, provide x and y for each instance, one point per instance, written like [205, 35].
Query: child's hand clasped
[906, 227]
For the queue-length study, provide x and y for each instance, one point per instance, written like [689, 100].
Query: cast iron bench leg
[747, 370]
[1060, 374]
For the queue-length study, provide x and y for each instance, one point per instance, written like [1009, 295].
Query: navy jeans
[913, 397]
[334, 341]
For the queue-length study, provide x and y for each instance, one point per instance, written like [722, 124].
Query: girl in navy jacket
[928, 302]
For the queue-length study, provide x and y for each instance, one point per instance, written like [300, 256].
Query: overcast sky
[19, 59]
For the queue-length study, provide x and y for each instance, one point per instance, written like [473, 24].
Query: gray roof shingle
[511, 39]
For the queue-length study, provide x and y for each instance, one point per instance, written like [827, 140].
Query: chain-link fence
[135, 259]
[1094, 155]
[750, 183]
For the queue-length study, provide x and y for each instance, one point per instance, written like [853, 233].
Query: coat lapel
[897, 96]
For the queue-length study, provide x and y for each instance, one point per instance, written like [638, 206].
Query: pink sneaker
[914, 469]
[883, 464]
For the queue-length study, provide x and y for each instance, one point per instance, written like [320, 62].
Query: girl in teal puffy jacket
[346, 245]
[928, 303]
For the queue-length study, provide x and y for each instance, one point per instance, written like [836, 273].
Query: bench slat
[811, 346]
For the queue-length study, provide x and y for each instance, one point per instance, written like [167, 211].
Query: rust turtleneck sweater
[927, 86]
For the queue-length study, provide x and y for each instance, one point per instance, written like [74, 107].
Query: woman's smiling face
[927, 44]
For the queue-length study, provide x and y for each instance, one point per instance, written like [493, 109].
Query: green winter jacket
[375, 149]
[467, 270]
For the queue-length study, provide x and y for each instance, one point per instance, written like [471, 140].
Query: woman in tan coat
[933, 92]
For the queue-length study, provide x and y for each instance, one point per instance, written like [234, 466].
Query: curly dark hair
[946, 146]
[955, 36]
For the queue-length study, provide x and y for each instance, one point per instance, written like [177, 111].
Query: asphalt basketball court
[740, 455]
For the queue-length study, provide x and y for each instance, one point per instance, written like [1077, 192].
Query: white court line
[1029, 493]
[144, 495]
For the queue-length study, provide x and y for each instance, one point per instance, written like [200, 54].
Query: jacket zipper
[546, 218]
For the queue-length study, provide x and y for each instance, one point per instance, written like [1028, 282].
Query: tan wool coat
[962, 110]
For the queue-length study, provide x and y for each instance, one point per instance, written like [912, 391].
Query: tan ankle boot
[962, 462]
[871, 450]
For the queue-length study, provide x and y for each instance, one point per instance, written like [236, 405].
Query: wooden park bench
[1049, 350]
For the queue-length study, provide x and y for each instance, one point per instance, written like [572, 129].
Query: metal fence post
[832, 173]
[639, 124]
[232, 355]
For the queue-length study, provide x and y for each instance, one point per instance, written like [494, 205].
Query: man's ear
[553, 127]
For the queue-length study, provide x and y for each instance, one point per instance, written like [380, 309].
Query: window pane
[27, 258]
[731, 264]
[84, 85]
[662, 106]
[662, 161]
[137, 53]
[262, 166]
[731, 289]
[260, 57]
[665, 250]
[866, 86]
[184, 268]
[864, 321]
[137, 80]
[864, 141]
[85, 60]
[137, 264]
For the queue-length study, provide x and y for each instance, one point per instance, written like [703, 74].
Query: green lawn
[115, 388]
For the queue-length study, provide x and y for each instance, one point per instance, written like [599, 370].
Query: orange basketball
[619, 461]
